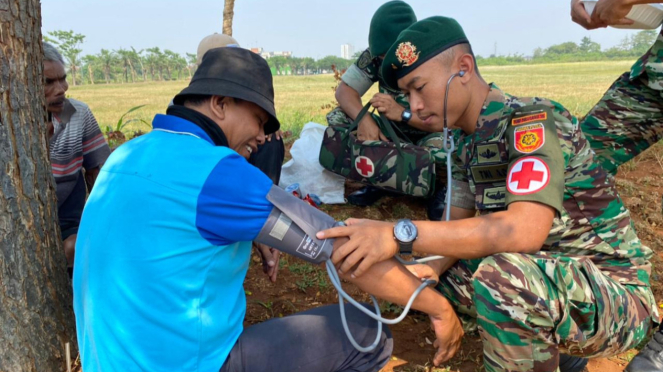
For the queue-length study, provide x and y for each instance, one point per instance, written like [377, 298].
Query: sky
[310, 28]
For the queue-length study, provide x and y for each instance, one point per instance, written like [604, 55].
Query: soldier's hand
[424, 272]
[448, 335]
[368, 130]
[612, 12]
[278, 134]
[580, 16]
[370, 242]
[386, 105]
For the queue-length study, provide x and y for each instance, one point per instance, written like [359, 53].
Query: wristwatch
[406, 115]
[405, 233]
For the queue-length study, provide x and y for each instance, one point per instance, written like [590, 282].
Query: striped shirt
[77, 143]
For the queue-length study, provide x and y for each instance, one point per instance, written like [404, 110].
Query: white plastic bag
[305, 169]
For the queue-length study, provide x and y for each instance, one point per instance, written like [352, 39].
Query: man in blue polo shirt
[165, 239]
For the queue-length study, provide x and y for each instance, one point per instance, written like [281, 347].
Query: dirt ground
[301, 286]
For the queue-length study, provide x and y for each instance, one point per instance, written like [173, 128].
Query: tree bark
[89, 71]
[228, 14]
[36, 316]
[133, 72]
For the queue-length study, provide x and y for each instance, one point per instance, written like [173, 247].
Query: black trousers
[269, 158]
[310, 341]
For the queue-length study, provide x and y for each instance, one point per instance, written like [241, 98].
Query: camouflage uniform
[629, 117]
[360, 76]
[587, 292]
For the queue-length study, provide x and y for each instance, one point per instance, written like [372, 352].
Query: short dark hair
[194, 99]
[199, 99]
[447, 56]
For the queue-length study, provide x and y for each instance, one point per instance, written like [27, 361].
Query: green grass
[299, 99]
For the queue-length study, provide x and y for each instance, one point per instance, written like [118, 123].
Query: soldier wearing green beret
[540, 252]
[388, 21]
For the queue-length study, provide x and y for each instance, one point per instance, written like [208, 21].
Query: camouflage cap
[388, 21]
[419, 43]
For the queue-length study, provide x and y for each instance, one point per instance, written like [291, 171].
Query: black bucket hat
[237, 73]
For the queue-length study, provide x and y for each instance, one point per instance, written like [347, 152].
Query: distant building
[268, 55]
[347, 51]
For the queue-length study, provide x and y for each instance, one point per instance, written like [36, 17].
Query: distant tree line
[629, 47]
[153, 64]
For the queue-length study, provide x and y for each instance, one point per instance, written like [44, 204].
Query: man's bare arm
[350, 102]
[91, 177]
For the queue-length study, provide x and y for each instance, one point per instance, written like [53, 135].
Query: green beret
[387, 22]
[419, 43]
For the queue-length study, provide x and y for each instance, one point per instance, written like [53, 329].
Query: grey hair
[52, 54]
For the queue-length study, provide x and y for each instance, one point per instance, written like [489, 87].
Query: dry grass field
[299, 99]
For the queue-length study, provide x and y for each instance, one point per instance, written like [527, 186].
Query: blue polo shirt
[162, 252]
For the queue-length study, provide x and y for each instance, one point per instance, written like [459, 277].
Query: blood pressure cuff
[292, 225]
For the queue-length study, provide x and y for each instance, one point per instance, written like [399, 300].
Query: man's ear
[218, 106]
[466, 64]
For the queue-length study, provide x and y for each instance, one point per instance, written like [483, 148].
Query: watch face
[407, 115]
[405, 231]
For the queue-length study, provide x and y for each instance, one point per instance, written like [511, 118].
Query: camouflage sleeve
[461, 195]
[536, 162]
[361, 75]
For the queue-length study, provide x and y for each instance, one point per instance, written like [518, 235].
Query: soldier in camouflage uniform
[629, 117]
[387, 22]
[551, 264]
[627, 121]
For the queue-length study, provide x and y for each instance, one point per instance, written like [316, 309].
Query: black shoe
[569, 363]
[650, 359]
[366, 196]
[435, 207]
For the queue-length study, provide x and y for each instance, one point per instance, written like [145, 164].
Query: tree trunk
[89, 71]
[73, 74]
[107, 74]
[228, 14]
[36, 315]
[142, 70]
[133, 72]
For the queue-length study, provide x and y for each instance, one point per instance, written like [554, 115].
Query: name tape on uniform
[542, 116]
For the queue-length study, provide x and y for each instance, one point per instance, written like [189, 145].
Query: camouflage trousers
[434, 142]
[529, 308]
[625, 122]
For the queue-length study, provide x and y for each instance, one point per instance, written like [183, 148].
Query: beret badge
[407, 54]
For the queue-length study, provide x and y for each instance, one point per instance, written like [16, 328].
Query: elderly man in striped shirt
[78, 149]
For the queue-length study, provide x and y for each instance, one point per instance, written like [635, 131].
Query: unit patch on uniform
[364, 60]
[494, 195]
[407, 54]
[529, 138]
[527, 176]
[530, 118]
[364, 166]
[488, 153]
